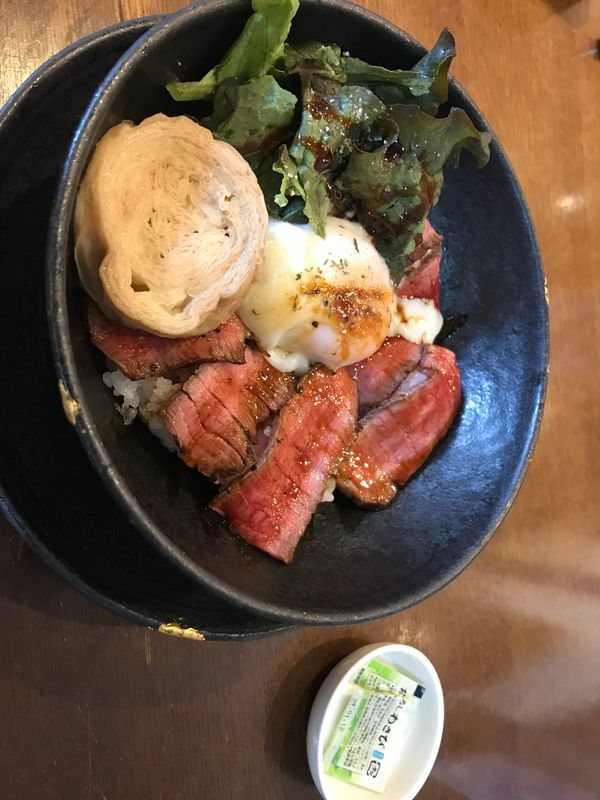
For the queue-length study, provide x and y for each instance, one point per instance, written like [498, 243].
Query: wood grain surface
[92, 708]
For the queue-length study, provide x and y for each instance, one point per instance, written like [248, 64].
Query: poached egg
[328, 300]
[319, 300]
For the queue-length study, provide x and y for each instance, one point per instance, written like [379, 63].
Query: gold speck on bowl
[174, 629]
[70, 406]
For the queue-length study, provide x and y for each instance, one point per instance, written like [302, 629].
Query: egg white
[416, 319]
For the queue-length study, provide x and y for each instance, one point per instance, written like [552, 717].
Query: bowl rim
[333, 687]
[58, 259]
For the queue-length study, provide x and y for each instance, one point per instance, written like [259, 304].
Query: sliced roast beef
[422, 276]
[271, 506]
[139, 354]
[378, 376]
[215, 417]
[396, 437]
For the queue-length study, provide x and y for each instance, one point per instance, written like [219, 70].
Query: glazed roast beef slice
[216, 415]
[379, 376]
[139, 354]
[396, 438]
[271, 506]
[422, 276]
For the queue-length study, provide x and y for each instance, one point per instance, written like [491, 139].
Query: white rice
[146, 397]
[329, 490]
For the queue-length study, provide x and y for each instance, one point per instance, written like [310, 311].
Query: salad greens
[251, 55]
[426, 84]
[252, 116]
[318, 59]
[332, 114]
[327, 133]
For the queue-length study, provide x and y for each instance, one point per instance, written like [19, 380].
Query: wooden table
[92, 707]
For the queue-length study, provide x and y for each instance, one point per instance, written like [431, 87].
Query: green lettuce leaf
[291, 185]
[269, 181]
[392, 196]
[324, 60]
[317, 203]
[333, 117]
[253, 54]
[435, 65]
[269, 167]
[253, 116]
[426, 84]
[439, 141]
[394, 188]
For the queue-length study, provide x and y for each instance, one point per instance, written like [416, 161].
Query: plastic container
[419, 750]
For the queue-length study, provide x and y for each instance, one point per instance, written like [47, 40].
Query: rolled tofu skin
[169, 226]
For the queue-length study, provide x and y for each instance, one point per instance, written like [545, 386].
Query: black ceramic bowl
[351, 565]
